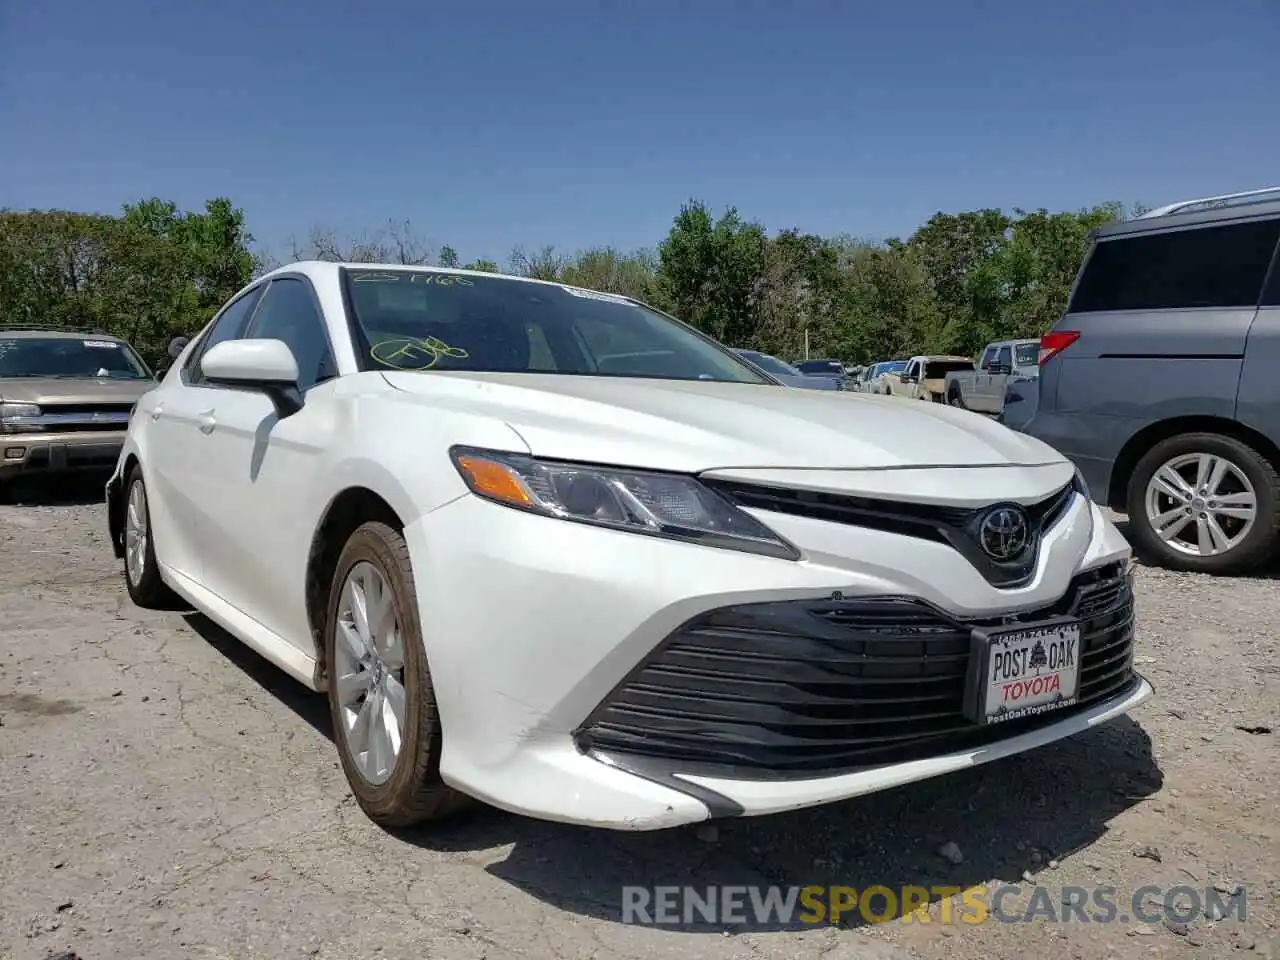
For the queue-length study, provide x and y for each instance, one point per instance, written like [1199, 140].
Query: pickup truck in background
[924, 378]
[982, 390]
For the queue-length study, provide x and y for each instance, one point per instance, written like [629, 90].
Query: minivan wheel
[381, 699]
[1205, 503]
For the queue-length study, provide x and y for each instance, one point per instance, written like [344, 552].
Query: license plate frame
[995, 680]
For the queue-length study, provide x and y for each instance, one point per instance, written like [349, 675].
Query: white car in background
[555, 550]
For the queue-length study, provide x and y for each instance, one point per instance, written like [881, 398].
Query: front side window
[430, 321]
[228, 326]
[289, 313]
[1219, 267]
[988, 357]
[70, 358]
[1004, 358]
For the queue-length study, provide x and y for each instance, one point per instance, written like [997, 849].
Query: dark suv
[1162, 380]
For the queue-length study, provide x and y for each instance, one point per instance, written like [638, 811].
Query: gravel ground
[167, 794]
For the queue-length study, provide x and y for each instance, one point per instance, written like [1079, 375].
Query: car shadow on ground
[1021, 814]
[75, 490]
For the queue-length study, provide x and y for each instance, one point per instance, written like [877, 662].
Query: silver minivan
[1162, 380]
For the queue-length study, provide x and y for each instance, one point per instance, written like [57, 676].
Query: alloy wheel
[1201, 504]
[136, 533]
[369, 673]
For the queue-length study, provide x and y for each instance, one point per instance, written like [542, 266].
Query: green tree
[710, 271]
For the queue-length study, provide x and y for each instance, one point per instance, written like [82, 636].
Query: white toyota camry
[557, 551]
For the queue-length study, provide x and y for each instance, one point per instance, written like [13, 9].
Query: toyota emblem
[1003, 532]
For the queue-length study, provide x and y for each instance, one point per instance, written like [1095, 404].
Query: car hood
[692, 426]
[48, 391]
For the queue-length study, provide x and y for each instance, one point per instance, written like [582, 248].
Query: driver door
[259, 469]
[911, 380]
[181, 516]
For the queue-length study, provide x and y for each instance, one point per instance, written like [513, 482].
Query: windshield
[820, 367]
[940, 368]
[418, 320]
[779, 368]
[889, 366]
[69, 357]
[1027, 354]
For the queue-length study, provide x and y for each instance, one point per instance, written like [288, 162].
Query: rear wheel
[141, 572]
[381, 698]
[1206, 503]
[955, 399]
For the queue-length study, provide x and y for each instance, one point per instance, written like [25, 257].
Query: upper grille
[78, 417]
[797, 688]
[954, 526]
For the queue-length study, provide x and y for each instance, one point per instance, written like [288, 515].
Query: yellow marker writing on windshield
[411, 353]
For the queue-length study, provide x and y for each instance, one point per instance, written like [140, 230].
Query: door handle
[206, 420]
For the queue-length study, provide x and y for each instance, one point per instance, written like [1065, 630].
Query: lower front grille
[805, 688]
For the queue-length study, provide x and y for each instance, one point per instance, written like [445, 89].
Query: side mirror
[177, 345]
[266, 365]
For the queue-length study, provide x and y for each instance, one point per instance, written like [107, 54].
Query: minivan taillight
[1054, 342]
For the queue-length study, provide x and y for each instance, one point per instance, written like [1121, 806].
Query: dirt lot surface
[166, 794]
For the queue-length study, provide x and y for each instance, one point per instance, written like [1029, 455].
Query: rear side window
[1027, 354]
[1209, 267]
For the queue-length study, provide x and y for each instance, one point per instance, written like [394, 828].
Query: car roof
[1208, 211]
[326, 269]
[27, 333]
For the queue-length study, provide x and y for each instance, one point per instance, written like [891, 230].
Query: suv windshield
[779, 368]
[418, 320]
[69, 357]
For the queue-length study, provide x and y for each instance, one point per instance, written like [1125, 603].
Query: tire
[406, 789]
[1255, 541]
[954, 399]
[141, 572]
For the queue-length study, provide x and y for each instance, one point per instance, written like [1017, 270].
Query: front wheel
[381, 698]
[1205, 503]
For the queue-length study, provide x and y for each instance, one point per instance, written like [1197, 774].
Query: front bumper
[54, 453]
[544, 639]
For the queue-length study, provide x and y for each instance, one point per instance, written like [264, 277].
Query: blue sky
[580, 123]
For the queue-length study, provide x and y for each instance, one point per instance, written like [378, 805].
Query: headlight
[1080, 485]
[657, 504]
[12, 415]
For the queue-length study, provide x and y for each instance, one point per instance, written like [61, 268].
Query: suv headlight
[656, 504]
[12, 416]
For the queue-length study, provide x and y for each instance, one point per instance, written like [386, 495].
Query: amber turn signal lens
[490, 479]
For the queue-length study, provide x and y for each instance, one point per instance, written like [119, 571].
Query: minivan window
[1220, 266]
